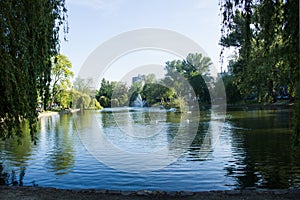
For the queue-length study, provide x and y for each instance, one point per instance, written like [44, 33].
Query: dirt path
[37, 193]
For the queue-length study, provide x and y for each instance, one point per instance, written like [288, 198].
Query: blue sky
[92, 22]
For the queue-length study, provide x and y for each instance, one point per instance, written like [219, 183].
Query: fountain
[138, 102]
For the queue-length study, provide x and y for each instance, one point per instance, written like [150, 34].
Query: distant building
[138, 78]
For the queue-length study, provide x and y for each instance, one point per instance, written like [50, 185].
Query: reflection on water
[60, 148]
[263, 156]
[253, 151]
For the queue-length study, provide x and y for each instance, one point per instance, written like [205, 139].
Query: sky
[92, 22]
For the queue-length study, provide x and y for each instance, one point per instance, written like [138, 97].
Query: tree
[96, 104]
[156, 92]
[64, 98]
[82, 89]
[105, 92]
[80, 100]
[195, 69]
[233, 94]
[61, 75]
[197, 64]
[120, 95]
[84, 86]
[265, 34]
[29, 36]
[262, 34]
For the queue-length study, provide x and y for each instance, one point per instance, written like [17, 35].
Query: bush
[179, 104]
[97, 104]
[104, 101]
[115, 103]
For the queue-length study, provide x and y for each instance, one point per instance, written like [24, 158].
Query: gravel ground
[38, 193]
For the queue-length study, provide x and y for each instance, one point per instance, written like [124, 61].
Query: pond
[250, 149]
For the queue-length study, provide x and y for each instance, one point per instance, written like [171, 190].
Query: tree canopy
[29, 36]
[196, 69]
[61, 75]
[265, 36]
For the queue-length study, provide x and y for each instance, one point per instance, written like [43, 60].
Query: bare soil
[38, 193]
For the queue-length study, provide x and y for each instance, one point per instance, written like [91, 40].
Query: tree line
[63, 93]
[264, 35]
[265, 38]
[171, 91]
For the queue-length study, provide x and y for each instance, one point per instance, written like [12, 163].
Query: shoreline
[53, 113]
[261, 106]
[26, 193]
[47, 114]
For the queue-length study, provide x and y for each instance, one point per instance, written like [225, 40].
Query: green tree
[262, 33]
[29, 35]
[150, 78]
[120, 95]
[265, 34]
[82, 89]
[197, 64]
[64, 98]
[195, 69]
[80, 100]
[105, 92]
[157, 92]
[84, 101]
[233, 94]
[61, 75]
[96, 104]
[84, 86]
[105, 101]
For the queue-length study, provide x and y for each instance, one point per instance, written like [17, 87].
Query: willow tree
[29, 36]
[265, 35]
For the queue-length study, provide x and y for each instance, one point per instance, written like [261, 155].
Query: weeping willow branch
[29, 36]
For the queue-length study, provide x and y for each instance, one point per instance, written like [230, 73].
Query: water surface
[253, 150]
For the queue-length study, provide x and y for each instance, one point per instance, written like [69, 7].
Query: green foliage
[80, 100]
[84, 95]
[265, 35]
[97, 104]
[84, 101]
[179, 104]
[64, 98]
[112, 94]
[196, 64]
[232, 92]
[104, 101]
[198, 83]
[195, 69]
[29, 35]
[61, 75]
[115, 103]
[268, 53]
[154, 93]
[84, 86]
[105, 92]
[120, 95]
[296, 136]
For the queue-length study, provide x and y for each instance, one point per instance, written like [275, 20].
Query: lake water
[250, 149]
